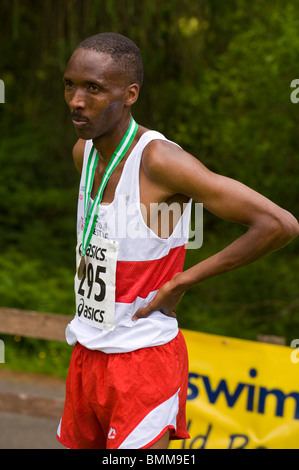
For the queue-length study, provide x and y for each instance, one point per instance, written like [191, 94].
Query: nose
[76, 99]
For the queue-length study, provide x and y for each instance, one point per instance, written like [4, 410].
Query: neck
[107, 144]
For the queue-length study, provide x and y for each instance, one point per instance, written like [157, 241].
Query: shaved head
[122, 50]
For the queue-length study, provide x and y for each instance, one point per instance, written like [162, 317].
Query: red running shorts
[127, 400]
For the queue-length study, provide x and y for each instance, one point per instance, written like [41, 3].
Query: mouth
[79, 121]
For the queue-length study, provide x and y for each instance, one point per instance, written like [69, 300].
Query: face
[97, 93]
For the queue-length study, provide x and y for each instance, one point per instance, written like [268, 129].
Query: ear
[132, 94]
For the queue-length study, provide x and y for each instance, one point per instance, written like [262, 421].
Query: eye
[92, 88]
[68, 84]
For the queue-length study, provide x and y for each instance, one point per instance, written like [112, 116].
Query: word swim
[255, 398]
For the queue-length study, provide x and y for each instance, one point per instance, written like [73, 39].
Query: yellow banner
[241, 394]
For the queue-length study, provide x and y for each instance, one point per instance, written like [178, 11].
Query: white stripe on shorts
[153, 424]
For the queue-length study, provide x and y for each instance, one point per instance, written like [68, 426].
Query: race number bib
[95, 292]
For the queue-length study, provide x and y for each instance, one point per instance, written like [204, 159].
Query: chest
[160, 210]
[109, 191]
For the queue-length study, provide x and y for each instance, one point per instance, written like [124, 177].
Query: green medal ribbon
[91, 215]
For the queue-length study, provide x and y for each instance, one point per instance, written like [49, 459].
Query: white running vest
[144, 263]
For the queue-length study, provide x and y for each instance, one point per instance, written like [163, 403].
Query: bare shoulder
[158, 154]
[168, 164]
[78, 154]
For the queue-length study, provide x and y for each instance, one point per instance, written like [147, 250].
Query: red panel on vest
[139, 278]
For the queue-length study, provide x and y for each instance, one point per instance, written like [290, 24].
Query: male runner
[127, 382]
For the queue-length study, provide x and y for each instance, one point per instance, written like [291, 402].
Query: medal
[81, 269]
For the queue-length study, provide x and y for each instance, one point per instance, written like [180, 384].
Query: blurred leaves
[32, 284]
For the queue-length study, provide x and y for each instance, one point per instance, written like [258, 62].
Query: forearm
[254, 244]
[259, 240]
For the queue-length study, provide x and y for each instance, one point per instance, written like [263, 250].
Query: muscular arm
[269, 226]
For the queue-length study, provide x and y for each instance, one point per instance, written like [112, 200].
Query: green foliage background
[217, 81]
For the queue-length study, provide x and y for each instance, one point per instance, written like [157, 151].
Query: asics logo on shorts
[111, 433]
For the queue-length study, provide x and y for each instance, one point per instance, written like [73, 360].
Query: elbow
[284, 228]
